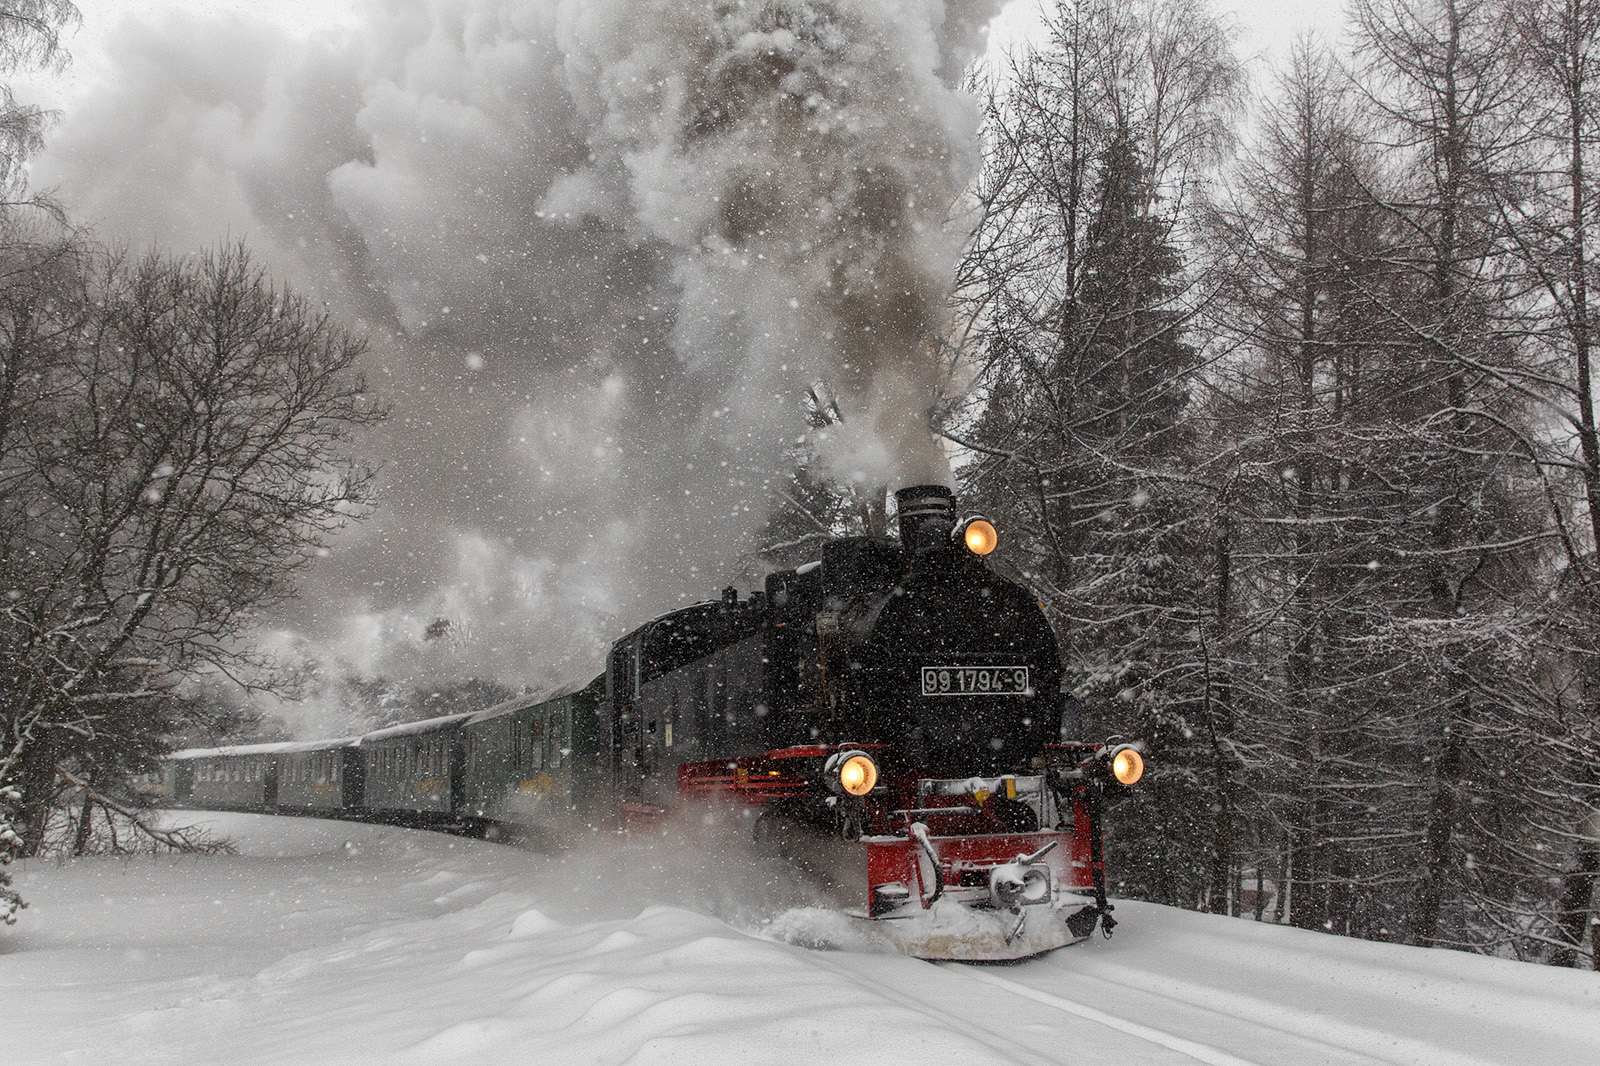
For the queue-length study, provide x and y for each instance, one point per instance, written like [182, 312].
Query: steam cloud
[602, 247]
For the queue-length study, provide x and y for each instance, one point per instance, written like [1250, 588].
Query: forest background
[1286, 404]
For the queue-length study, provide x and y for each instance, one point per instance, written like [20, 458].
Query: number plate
[975, 681]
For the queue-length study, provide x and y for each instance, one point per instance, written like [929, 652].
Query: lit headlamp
[1127, 765]
[851, 773]
[977, 533]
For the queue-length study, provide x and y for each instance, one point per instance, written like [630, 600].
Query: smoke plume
[602, 247]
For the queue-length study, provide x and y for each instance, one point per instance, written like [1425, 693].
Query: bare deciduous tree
[176, 447]
[30, 37]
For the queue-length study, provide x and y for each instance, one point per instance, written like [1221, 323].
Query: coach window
[558, 737]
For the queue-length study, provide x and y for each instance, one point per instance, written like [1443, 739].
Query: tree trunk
[1574, 918]
[38, 790]
[80, 840]
[1438, 834]
[1218, 697]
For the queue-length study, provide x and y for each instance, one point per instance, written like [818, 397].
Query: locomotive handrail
[936, 811]
[919, 833]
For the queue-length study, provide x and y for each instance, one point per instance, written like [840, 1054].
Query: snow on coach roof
[411, 728]
[286, 747]
[428, 725]
[523, 702]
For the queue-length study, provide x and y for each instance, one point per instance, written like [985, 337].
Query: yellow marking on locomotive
[431, 787]
[1011, 788]
[982, 796]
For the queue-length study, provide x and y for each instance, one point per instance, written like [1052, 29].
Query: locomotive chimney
[927, 515]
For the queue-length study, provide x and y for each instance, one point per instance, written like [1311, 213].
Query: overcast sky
[1266, 26]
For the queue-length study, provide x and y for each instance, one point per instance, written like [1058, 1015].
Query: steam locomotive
[890, 715]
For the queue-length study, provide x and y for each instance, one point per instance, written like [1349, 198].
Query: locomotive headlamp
[978, 533]
[851, 772]
[1127, 766]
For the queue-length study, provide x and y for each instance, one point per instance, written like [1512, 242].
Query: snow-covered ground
[325, 942]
